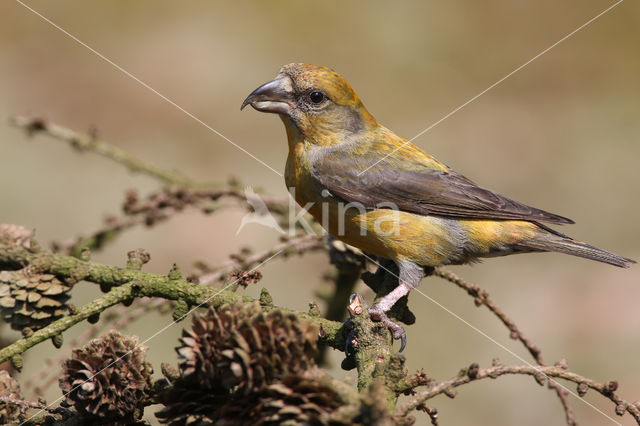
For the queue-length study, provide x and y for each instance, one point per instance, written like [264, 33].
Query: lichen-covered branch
[120, 317]
[349, 264]
[126, 285]
[541, 375]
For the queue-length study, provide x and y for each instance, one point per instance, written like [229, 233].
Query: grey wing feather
[418, 190]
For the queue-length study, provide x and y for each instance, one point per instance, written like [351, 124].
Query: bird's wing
[414, 184]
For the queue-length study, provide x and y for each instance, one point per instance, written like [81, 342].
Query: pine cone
[189, 406]
[9, 388]
[239, 347]
[229, 360]
[298, 399]
[108, 380]
[29, 299]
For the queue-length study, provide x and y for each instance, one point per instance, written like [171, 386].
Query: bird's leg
[409, 278]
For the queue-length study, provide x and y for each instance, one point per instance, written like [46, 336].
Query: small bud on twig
[265, 298]
[180, 310]
[472, 372]
[321, 332]
[562, 364]
[57, 341]
[314, 309]
[541, 378]
[582, 389]
[356, 305]
[137, 258]
[174, 273]
[85, 254]
[610, 387]
[17, 361]
[451, 392]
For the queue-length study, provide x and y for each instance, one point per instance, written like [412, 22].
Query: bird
[378, 192]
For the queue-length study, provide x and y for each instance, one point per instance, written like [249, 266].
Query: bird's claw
[398, 332]
[377, 313]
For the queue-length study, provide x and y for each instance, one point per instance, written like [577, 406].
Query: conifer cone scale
[242, 366]
[31, 299]
[242, 348]
[108, 380]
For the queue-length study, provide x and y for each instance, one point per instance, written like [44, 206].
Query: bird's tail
[560, 244]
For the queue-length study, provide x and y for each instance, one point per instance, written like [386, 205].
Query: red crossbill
[376, 191]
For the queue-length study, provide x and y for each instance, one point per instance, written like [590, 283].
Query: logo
[385, 221]
[260, 214]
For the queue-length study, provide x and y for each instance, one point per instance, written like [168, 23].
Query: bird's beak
[275, 96]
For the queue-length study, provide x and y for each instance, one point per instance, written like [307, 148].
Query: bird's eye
[316, 97]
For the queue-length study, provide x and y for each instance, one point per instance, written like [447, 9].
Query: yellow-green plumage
[404, 205]
[442, 217]
[428, 240]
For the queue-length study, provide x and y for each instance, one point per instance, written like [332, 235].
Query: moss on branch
[127, 285]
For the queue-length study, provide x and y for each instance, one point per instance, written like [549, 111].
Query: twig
[481, 297]
[539, 372]
[433, 415]
[160, 206]
[26, 404]
[112, 228]
[294, 246]
[88, 142]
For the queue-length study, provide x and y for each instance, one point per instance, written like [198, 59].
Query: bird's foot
[377, 313]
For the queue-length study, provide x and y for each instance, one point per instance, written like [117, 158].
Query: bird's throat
[294, 135]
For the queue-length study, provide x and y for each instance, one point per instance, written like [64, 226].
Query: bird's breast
[300, 181]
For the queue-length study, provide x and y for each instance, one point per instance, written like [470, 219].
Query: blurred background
[561, 134]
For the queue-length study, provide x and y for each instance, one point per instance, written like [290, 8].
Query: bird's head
[314, 102]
